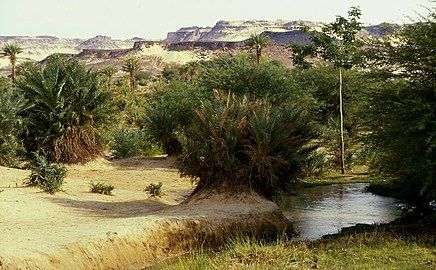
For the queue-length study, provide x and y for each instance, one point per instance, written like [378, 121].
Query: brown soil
[76, 229]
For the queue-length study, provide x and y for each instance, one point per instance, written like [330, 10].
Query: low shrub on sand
[49, 176]
[101, 188]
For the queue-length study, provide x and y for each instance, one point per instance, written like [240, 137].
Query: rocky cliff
[235, 31]
[280, 31]
[187, 34]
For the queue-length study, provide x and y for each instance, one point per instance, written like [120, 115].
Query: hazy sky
[153, 19]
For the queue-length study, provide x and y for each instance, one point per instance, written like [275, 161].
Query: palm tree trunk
[132, 81]
[341, 119]
[258, 55]
[13, 73]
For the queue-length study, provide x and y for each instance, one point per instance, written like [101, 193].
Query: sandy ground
[76, 229]
[181, 57]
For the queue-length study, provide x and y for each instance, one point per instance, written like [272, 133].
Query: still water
[322, 210]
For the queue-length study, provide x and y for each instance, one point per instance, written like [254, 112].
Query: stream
[323, 210]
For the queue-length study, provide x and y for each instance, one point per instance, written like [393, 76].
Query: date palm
[131, 65]
[109, 72]
[11, 51]
[258, 43]
[67, 110]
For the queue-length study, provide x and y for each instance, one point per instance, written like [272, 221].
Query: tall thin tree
[337, 43]
[258, 43]
[131, 65]
[11, 51]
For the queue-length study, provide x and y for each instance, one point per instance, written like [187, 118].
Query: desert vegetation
[246, 124]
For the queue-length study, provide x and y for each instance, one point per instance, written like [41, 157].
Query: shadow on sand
[125, 209]
[161, 163]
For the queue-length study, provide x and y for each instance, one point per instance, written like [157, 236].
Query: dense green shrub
[130, 105]
[12, 124]
[49, 176]
[143, 77]
[321, 80]
[67, 107]
[400, 111]
[269, 80]
[170, 109]
[171, 73]
[130, 142]
[169, 112]
[155, 190]
[241, 145]
[101, 188]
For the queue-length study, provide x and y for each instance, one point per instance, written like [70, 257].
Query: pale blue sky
[153, 19]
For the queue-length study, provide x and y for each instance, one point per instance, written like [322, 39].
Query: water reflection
[325, 210]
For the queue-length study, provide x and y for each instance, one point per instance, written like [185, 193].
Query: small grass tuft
[155, 190]
[101, 188]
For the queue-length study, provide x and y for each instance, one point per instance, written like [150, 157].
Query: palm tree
[68, 109]
[258, 43]
[11, 51]
[131, 65]
[109, 72]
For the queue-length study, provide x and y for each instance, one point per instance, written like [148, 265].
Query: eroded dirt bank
[76, 229]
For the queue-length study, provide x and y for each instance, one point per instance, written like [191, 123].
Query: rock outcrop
[188, 34]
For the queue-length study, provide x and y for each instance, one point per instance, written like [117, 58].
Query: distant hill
[181, 46]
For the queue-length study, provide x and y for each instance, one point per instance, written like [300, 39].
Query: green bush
[143, 77]
[49, 176]
[169, 112]
[12, 125]
[155, 190]
[130, 142]
[241, 145]
[400, 112]
[238, 75]
[130, 105]
[67, 108]
[171, 73]
[317, 164]
[101, 188]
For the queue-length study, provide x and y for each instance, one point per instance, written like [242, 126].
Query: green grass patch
[334, 178]
[373, 250]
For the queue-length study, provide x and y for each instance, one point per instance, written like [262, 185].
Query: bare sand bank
[76, 229]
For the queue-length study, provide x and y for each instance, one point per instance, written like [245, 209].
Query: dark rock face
[284, 38]
[98, 42]
[187, 34]
[97, 53]
[382, 29]
[205, 45]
